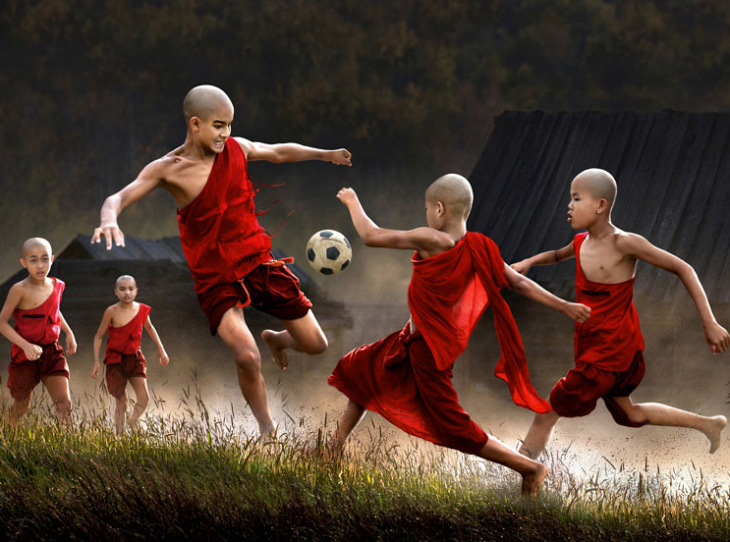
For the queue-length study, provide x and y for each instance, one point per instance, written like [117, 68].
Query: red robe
[406, 378]
[41, 325]
[127, 339]
[610, 338]
[220, 234]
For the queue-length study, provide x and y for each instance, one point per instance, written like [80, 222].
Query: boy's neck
[601, 228]
[194, 151]
[456, 229]
[126, 306]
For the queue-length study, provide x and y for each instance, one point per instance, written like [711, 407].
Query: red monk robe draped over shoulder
[41, 325]
[610, 338]
[127, 339]
[220, 234]
[448, 294]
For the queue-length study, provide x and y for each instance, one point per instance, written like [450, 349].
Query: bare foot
[532, 481]
[715, 432]
[278, 354]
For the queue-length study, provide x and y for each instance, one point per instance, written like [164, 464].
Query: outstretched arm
[425, 240]
[638, 247]
[292, 152]
[548, 257]
[152, 332]
[148, 179]
[532, 290]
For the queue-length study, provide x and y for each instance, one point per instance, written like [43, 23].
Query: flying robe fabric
[610, 338]
[406, 377]
[127, 339]
[41, 325]
[220, 234]
[448, 294]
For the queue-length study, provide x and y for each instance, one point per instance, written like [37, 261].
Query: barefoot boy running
[34, 303]
[124, 359]
[226, 248]
[609, 360]
[406, 377]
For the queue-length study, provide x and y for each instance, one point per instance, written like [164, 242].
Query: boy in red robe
[34, 303]
[609, 359]
[124, 361]
[406, 377]
[226, 248]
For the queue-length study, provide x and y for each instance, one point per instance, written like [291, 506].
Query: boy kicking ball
[124, 360]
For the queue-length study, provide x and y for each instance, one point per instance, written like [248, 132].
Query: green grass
[196, 478]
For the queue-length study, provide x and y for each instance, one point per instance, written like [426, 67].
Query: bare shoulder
[630, 243]
[245, 144]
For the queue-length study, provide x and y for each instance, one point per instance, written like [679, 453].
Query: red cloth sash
[448, 294]
[610, 338]
[127, 339]
[221, 237]
[41, 325]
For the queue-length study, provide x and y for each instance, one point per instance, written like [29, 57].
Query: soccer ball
[329, 252]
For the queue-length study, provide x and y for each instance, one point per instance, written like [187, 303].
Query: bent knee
[316, 346]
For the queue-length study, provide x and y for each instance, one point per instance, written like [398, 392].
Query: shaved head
[599, 183]
[36, 242]
[455, 192]
[125, 277]
[203, 101]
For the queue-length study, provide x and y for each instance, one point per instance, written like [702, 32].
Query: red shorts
[118, 374]
[273, 290]
[24, 376]
[577, 393]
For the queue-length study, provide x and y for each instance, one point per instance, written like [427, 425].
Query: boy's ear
[440, 208]
[52, 258]
[195, 123]
[22, 262]
[602, 205]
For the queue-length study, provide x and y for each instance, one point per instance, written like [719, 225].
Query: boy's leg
[58, 391]
[660, 414]
[120, 412]
[533, 473]
[237, 336]
[141, 400]
[20, 406]
[301, 335]
[539, 434]
[352, 416]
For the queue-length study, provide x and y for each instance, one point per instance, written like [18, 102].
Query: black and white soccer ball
[329, 252]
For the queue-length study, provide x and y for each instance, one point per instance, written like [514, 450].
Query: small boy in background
[124, 360]
[34, 303]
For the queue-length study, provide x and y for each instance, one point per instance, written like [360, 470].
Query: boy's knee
[248, 361]
[317, 345]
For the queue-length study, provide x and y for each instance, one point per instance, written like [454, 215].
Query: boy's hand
[577, 311]
[95, 370]
[521, 267]
[347, 196]
[33, 352]
[108, 231]
[717, 337]
[163, 357]
[70, 344]
[341, 157]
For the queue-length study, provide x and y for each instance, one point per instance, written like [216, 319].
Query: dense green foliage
[91, 90]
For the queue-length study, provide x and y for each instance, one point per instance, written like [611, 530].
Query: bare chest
[604, 264]
[185, 179]
[35, 297]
